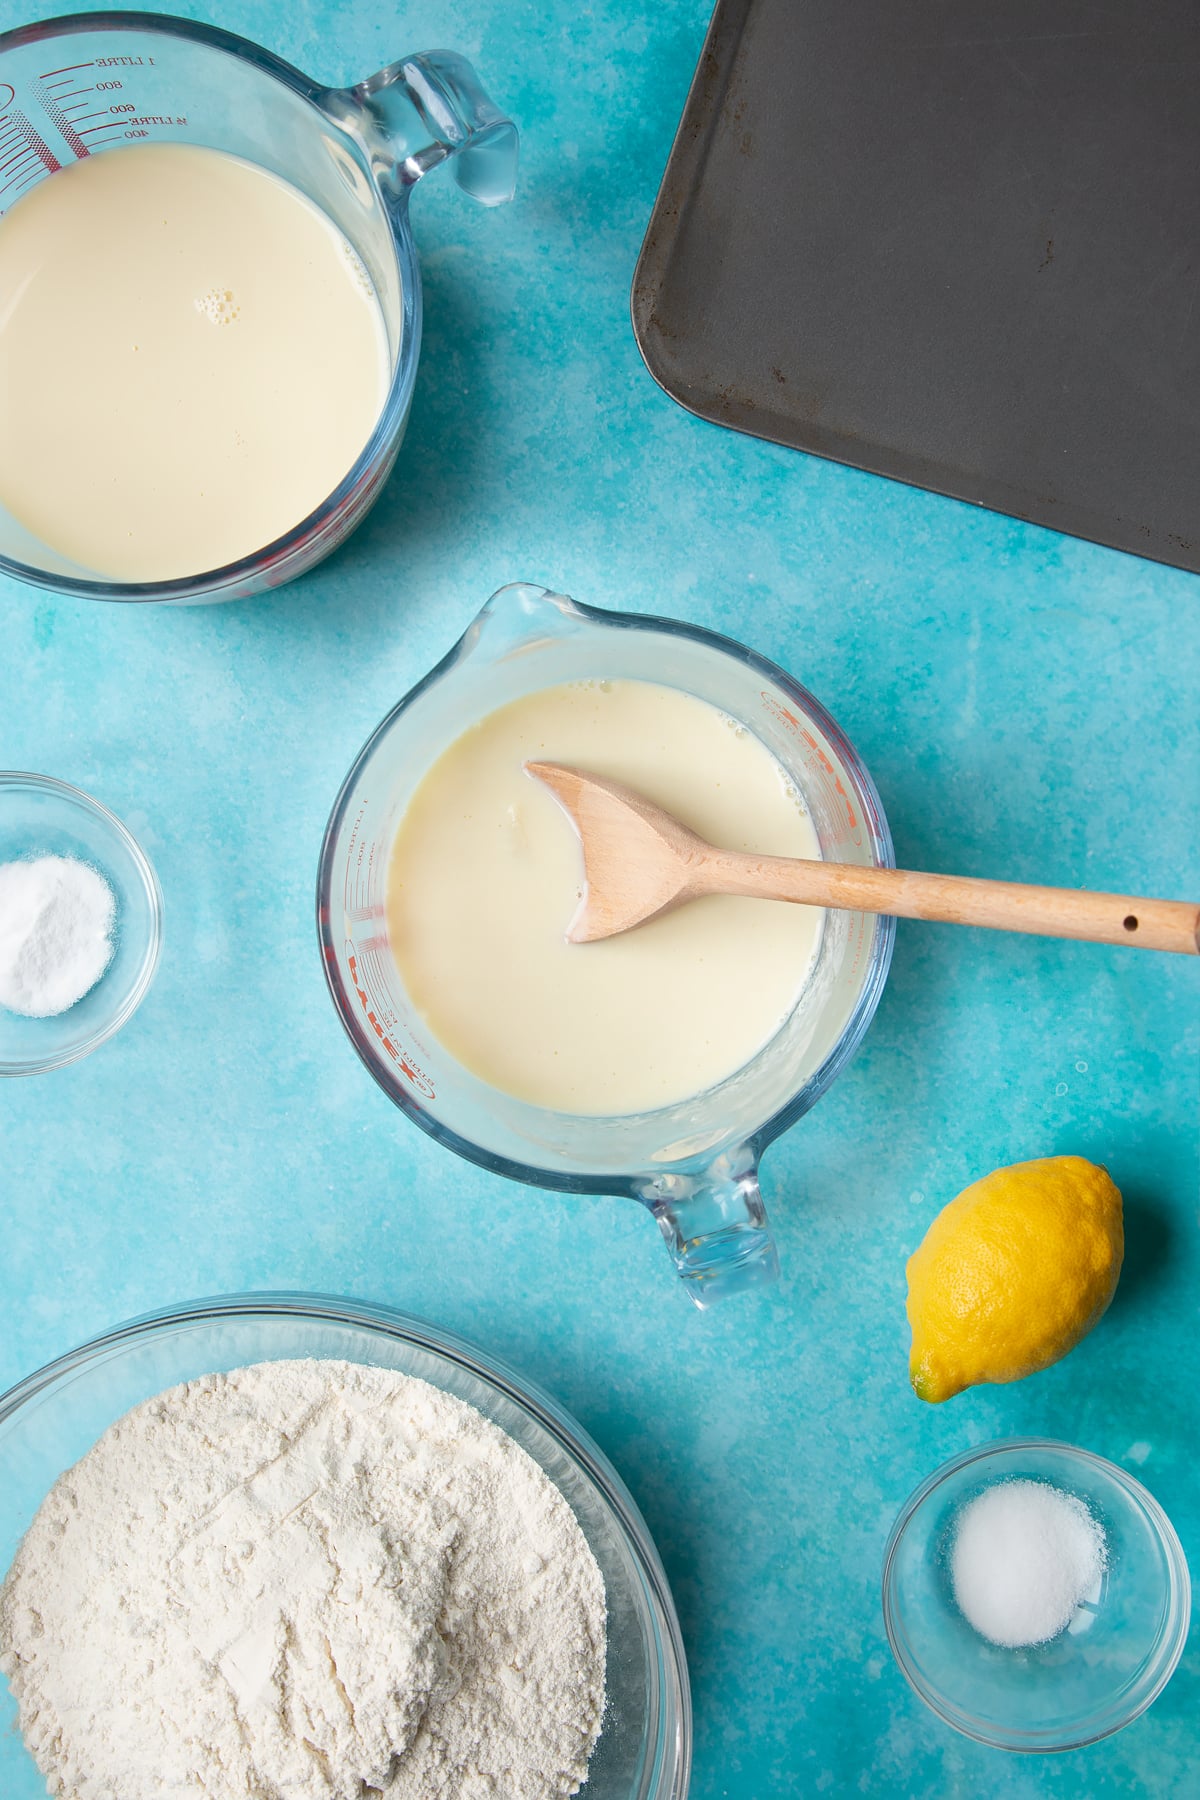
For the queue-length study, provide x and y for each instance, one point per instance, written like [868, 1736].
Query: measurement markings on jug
[64, 94]
[783, 715]
[382, 1021]
[776, 710]
[351, 900]
[64, 126]
[64, 97]
[24, 156]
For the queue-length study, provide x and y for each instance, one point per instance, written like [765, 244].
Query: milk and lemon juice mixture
[191, 359]
[486, 873]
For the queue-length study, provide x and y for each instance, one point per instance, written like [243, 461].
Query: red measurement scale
[24, 155]
[86, 104]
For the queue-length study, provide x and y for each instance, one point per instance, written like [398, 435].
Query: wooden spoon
[640, 861]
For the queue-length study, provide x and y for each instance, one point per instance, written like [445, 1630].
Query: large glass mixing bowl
[49, 1420]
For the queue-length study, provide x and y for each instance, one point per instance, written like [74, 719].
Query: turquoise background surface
[1027, 705]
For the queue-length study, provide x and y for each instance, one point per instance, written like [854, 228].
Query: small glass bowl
[43, 817]
[52, 1418]
[1113, 1659]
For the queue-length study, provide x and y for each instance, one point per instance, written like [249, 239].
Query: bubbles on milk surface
[219, 306]
[358, 270]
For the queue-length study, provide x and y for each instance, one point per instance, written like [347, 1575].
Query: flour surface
[306, 1581]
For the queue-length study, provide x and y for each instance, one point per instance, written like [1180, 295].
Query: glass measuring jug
[94, 82]
[693, 1164]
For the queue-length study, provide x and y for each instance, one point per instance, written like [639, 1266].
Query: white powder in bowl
[1025, 1556]
[306, 1581]
[56, 919]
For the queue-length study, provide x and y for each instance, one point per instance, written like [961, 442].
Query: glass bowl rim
[675, 1703]
[75, 797]
[1173, 1638]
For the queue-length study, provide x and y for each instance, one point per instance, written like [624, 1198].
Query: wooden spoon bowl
[640, 861]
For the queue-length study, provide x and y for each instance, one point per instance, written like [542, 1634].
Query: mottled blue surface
[1027, 705]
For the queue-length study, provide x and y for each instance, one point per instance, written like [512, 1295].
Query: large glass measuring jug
[99, 81]
[695, 1164]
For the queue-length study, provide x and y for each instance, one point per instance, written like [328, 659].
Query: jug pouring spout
[715, 1226]
[427, 109]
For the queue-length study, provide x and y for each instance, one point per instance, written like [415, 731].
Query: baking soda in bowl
[1026, 1556]
[191, 359]
[56, 922]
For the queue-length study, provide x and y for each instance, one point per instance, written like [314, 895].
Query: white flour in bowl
[306, 1581]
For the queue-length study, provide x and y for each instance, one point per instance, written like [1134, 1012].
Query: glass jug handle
[715, 1226]
[431, 107]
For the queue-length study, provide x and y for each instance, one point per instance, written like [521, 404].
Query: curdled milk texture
[486, 872]
[191, 359]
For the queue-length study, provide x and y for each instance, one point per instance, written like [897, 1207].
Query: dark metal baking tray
[953, 242]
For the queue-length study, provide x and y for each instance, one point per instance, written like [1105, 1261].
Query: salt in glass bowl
[1114, 1658]
[43, 817]
[49, 1420]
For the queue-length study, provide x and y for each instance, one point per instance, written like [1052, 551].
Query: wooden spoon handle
[959, 900]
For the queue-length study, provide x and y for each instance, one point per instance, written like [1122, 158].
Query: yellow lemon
[1012, 1274]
